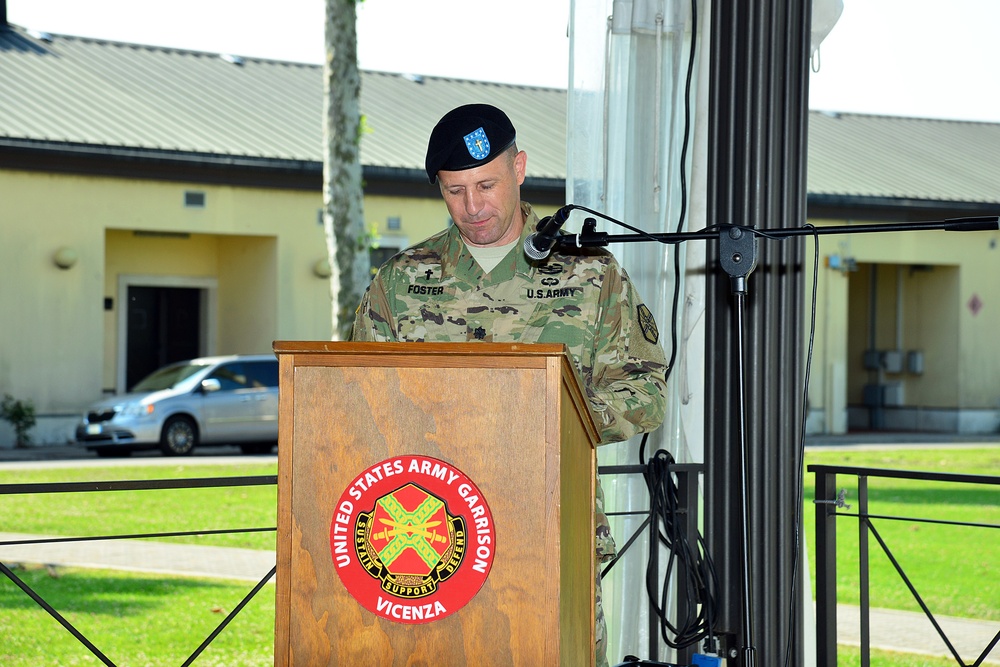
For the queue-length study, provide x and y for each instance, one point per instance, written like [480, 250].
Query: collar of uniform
[466, 266]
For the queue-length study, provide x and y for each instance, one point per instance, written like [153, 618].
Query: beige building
[158, 204]
[906, 334]
[907, 322]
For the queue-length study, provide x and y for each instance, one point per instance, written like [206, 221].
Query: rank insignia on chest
[647, 324]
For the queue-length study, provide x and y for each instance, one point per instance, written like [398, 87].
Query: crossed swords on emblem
[398, 528]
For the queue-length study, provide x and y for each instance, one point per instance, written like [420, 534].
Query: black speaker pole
[757, 148]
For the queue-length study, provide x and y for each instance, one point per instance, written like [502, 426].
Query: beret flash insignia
[477, 143]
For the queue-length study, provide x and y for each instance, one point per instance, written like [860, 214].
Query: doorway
[162, 320]
[164, 325]
[903, 326]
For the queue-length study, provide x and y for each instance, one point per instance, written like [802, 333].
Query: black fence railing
[830, 506]
[134, 485]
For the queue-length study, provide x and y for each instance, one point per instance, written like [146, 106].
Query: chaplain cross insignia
[477, 143]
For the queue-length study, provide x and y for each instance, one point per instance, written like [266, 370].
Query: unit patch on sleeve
[647, 324]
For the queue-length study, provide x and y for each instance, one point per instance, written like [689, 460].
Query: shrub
[21, 415]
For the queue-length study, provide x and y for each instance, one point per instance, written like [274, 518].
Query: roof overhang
[891, 209]
[248, 171]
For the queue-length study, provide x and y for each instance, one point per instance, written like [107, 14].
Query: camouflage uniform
[437, 292]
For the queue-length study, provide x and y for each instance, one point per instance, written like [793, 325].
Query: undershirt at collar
[489, 257]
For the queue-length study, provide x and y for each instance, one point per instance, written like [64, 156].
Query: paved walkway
[912, 632]
[141, 556]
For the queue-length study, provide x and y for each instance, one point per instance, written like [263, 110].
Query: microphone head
[532, 251]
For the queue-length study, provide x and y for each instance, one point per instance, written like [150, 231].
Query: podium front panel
[500, 420]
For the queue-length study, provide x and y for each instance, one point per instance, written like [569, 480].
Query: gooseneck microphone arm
[738, 244]
[589, 237]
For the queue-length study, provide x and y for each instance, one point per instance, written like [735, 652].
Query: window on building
[194, 199]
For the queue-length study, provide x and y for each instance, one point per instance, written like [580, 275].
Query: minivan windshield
[168, 376]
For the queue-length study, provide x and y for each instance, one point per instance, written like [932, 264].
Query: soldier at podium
[473, 282]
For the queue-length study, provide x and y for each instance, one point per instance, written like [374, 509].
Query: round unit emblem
[412, 539]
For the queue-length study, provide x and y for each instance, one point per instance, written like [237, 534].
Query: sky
[918, 58]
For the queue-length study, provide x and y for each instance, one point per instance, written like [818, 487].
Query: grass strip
[147, 511]
[134, 619]
[955, 569]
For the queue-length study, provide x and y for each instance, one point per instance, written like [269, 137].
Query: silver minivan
[211, 400]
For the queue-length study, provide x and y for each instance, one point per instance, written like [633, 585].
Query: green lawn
[849, 656]
[133, 619]
[138, 619]
[147, 511]
[955, 569]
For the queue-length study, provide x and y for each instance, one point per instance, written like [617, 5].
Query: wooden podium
[364, 424]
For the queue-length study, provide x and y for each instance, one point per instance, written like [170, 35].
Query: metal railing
[134, 485]
[828, 501]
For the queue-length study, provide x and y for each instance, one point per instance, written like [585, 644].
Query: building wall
[241, 272]
[51, 324]
[936, 294]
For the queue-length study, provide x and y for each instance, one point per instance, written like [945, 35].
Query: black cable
[682, 215]
[801, 451]
[695, 568]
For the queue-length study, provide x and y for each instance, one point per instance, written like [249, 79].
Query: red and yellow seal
[412, 539]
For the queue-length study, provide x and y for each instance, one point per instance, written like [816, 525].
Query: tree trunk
[343, 214]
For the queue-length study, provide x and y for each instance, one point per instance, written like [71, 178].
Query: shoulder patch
[647, 324]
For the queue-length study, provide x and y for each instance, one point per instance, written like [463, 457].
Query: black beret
[467, 137]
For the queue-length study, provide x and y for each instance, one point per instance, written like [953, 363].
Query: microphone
[539, 244]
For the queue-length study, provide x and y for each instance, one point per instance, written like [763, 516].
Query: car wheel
[179, 437]
[112, 452]
[256, 447]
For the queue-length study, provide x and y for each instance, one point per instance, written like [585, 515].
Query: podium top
[460, 349]
[487, 355]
